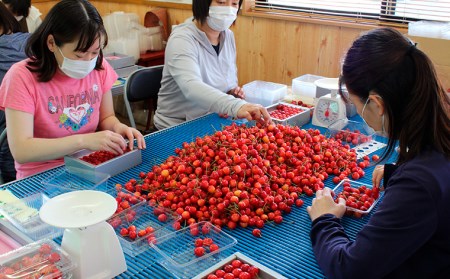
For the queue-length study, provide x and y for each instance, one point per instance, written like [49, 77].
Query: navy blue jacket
[407, 237]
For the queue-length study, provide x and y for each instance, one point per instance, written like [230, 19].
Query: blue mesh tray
[285, 248]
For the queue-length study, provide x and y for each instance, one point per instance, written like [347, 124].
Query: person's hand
[237, 92]
[254, 112]
[107, 141]
[323, 203]
[377, 175]
[130, 134]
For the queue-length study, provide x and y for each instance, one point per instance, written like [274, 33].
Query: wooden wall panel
[44, 7]
[278, 51]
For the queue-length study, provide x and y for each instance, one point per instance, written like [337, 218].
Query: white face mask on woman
[221, 17]
[383, 132]
[77, 69]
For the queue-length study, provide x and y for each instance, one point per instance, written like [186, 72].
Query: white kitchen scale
[329, 108]
[88, 238]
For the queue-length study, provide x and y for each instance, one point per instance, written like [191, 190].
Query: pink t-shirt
[61, 107]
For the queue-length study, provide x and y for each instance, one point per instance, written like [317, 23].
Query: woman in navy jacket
[396, 91]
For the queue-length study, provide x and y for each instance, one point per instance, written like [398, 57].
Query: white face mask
[383, 132]
[221, 17]
[18, 18]
[77, 69]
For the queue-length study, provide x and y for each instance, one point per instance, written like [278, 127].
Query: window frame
[386, 16]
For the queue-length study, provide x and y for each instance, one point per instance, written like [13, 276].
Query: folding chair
[143, 84]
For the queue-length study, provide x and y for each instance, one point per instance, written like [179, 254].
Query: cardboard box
[438, 51]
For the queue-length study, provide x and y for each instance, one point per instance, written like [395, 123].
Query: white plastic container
[151, 39]
[124, 33]
[430, 29]
[304, 85]
[264, 93]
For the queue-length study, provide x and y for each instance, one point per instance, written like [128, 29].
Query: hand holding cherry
[323, 203]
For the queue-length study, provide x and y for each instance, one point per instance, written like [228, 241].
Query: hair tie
[411, 48]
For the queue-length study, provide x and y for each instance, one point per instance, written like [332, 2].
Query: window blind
[383, 12]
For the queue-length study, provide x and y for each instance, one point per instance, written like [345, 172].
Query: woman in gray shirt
[200, 73]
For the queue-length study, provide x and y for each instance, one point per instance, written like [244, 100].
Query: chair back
[144, 84]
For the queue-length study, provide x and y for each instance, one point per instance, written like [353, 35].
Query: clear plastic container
[264, 93]
[351, 132]
[264, 271]
[301, 118]
[126, 200]
[177, 249]
[352, 211]
[43, 259]
[142, 217]
[74, 179]
[24, 215]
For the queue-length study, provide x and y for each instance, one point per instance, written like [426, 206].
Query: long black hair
[418, 109]
[19, 7]
[67, 21]
[8, 22]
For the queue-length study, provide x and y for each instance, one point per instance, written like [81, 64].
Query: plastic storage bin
[114, 166]
[118, 60]
[177, 249]
[24, 215]
[301, 118]
[264, 272]
[352, 211]
[351, 132]
[73, 179]
[264, 93]
[126, 71]
[304, 85]
[43, 259]
[142, 217]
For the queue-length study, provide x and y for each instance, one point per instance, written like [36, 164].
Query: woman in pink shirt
[59, 100]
